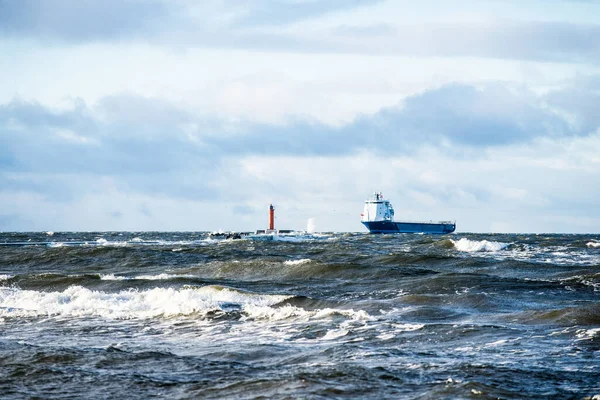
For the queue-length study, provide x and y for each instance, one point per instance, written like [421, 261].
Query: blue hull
[410, 227]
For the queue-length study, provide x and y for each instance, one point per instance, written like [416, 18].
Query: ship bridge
[377, 209]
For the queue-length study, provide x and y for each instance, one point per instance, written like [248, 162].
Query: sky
[170, 115]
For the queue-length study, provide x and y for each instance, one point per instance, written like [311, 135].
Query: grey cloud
[139, 137]
[163, 21]
[522, 40]
[255, 25]
[459, 115]
[35, 138]
[465, 116]
[81, 20]
[580, 101]
[278, 12]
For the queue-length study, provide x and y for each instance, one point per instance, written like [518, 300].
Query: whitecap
[297, 262]
[156, 277]
[77, 301]
[112, 277]
[334, 334]
[471, 246]
[593, 244]
[586, 334]
[104, 242]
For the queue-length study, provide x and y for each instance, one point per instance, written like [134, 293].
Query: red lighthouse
[271, 217]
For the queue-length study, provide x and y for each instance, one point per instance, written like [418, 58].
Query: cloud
[211, 23]
[277, 12]
[288, 26]
[493, 38]
[135, 135]
[81, 20]
[151, 164]
[466, 116]
[453, 116]
[155, 146]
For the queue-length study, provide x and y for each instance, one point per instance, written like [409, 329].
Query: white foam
[585, 334]
[471, 246]
[49, 233]
[335, 334]
[254, 311]
[297, 262]
[104, 242]
[112, 277]
[157, 277]
[258, 312]
[400, 328]
[77, 301]
[5, 277]
[497, 343]
[55, 244]
[593, 244]
[386, 336]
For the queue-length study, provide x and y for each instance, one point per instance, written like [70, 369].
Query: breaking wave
[297, 262]
[79, 301]
[113, 277]
[472, 246]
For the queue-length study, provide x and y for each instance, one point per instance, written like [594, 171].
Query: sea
[142, 315]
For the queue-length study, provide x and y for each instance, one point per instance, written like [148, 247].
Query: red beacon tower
[271, 218]
[272, 230]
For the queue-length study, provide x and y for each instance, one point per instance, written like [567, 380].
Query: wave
[163, 276]
[568, 316]
[471, 246]
[592, 280]
[404, 258]
[587, 334]
[102, 242]
[593, 244]
[297, 262]
[77, 301]
[274, 270]
[298, 237]
[207, 302]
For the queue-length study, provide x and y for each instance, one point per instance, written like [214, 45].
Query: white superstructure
[377, 209]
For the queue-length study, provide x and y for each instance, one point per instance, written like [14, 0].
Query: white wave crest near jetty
[78, 301]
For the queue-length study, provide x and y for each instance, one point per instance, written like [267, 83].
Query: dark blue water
[181, 315]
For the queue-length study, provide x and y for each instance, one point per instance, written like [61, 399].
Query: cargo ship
[378, 217]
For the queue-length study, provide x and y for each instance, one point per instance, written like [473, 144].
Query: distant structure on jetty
[272, 229]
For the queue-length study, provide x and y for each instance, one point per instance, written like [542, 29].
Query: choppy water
[113, 315]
